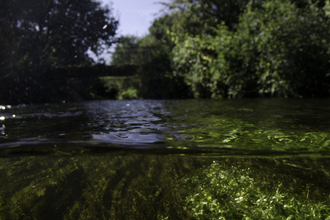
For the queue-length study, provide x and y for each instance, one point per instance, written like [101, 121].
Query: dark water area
[169, 159]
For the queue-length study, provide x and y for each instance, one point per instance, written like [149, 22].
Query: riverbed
[166, 159]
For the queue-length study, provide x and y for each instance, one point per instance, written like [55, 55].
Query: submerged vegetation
[163, 187]
[197, 48]
[139, 159]
[235, 191]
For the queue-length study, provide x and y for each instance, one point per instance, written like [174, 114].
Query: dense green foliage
[224, 192]
[153, 55]
[162, 187]
[197, 48]
[228, 49]
[38, 36]
[275, 49]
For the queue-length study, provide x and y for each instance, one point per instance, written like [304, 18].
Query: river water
[169, 159]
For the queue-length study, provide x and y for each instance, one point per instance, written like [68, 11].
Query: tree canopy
[273, 48]
[197, 48]
[153, 55]
[228, 49]
[57, 31]
[38, 36]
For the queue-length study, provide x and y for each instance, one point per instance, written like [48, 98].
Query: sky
[135, 17]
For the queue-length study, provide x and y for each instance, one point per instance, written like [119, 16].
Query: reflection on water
[300, 126]
[281, 125]
[190, 159]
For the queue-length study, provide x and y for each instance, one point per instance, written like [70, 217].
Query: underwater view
[169, 159]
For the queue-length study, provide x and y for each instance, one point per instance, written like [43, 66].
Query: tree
[277, 49]
[62, 30]
[152, 53]
[126, 51]
[41, 35]
[194, 17]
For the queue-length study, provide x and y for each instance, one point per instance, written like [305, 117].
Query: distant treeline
[229, 49]
[195, 49]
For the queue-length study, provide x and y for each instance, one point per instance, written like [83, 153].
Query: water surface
[172, 159]
[286, 126]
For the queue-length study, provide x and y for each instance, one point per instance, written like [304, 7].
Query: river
[166, 159]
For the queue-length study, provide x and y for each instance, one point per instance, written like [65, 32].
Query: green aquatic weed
[221, 192]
